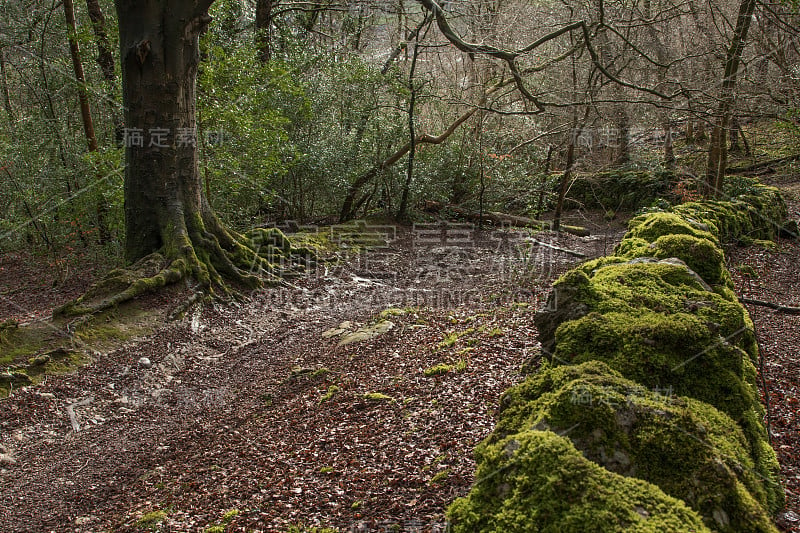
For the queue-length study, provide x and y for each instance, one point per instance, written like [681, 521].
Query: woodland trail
[252, 407]
[259, 416]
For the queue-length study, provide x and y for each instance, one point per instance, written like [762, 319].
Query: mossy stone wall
[649, 374]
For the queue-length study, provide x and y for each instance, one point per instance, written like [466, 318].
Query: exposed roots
[209, 255]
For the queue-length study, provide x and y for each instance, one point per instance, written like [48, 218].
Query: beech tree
[171, 231]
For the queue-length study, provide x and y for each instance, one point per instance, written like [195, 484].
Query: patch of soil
[31, 286]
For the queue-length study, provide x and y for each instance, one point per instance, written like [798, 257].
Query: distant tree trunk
[736, 134]
[562, 189]
[718, 148]
[4, 83]
[105, 58]
[690, 131]
[623, 133]
[402, 210]
[669, 153]
[264, 29]
[77, 66]
[701, 136]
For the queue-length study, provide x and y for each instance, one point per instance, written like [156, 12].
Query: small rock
[6, 459]
[47, 395]
[145, 362]
[84, 520]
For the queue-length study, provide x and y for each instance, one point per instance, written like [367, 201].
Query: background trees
[304, 107]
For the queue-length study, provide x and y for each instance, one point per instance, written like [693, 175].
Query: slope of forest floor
[352, 400]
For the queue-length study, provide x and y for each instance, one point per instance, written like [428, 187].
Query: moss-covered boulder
[688, 448]
[651, 226]
[536, 481]
[759, 214]
[656, 324]
[701, 255]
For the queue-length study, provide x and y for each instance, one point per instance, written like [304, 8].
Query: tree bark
[264, 29]
[86, 114]
[718, 148]
[402, 211]
[166, 210]
[669, 152]
[4, 84]
[105, 56]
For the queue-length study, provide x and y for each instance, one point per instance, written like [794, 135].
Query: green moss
[151, 520]
[331, 392]
[701, 255]
[686, 447]
[652, 226]
[536, 481]
[395, 311]
[656, 324]
[439, 477]
[437, 370]
[378, 397]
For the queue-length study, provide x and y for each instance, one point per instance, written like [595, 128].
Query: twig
[785, 309]
[559, 249]
[71, 412]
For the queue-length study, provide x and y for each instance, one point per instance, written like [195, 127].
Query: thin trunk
[402, 211]
[669, 153]
[264, 29]
[4, 84]
[718, 151]
[105, 56]
[690, 131]
[77, 66]
[562, 189]
[701, 136]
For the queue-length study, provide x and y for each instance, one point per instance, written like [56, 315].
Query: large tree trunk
[159, 51]
[171, 231]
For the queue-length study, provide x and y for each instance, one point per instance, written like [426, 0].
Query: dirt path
[254, 408]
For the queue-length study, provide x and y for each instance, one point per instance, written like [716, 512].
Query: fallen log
[502, 219]
[764, 165]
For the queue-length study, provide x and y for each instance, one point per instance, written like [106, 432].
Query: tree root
[213, 259]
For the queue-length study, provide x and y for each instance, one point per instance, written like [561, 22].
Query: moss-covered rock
[689, 449]
[617, 190]
[616, 332]
[536, 481]
[651, 226]
[700, 254]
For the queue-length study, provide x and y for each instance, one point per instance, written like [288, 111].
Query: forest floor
[352, 400]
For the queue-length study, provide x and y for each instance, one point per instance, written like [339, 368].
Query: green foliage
[245, 110]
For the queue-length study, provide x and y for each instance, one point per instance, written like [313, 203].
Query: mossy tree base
[213, 260]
